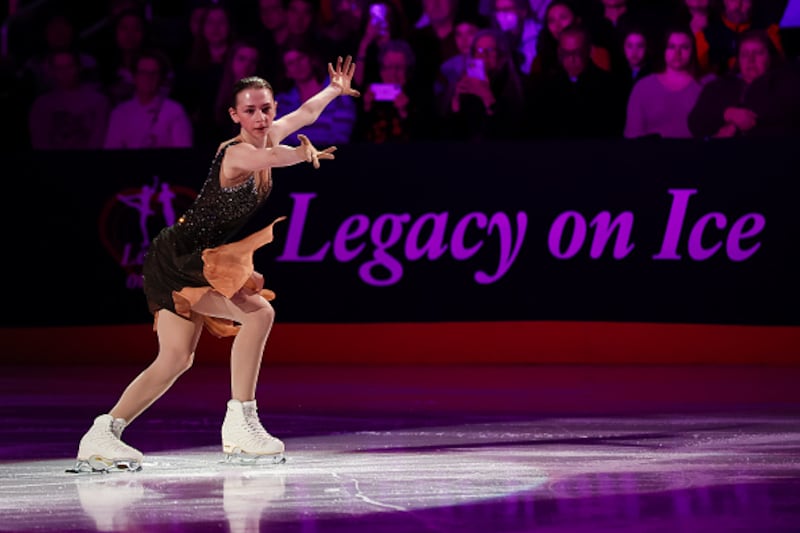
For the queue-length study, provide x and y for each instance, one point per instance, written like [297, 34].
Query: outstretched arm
[340, 79]
[244, 158]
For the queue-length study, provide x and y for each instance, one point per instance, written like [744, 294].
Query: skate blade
[250, 459]
[97, 464]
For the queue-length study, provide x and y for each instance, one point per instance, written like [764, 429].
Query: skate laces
[117, 426]
[110, 439]
[252, 423]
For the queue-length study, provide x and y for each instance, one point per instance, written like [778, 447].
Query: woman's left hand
[312, 154]
[342, 76]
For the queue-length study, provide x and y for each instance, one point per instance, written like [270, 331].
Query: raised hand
[342, 75]
[312, 154]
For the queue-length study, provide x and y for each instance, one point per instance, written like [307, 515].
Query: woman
[659, 104]
[561, 14]
[192, 278]
[487, 102]
[392, 111]
[744, 102]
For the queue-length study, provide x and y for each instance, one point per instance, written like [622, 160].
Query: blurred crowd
[130, 74]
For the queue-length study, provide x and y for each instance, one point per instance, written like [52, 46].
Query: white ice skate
[244, 439]
[101, 449]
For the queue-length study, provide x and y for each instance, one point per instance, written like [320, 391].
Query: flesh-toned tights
[178, 337]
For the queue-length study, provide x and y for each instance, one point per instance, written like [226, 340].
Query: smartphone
[476, 69]
[379, 16]
[385, 92]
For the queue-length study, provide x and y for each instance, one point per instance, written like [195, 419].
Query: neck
[145, 98]
[249, 139]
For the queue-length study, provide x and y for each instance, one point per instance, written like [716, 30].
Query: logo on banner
[133, 216]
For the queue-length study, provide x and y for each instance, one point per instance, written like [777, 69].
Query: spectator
[559, 15]
[306, 71]
[391, 111]
[72, 115]
[722, 33]
[467, 26]
[130, 37]
[660, 103]
[199, 78]
[515, 19]
[697, 13]
[384, 22]
[638, 62]
[760, 99]
[150, 119]
[271, 34]
[435, 42]
[579, 100]
[243, 60]
[487, 102]
[344, 30]
[58, 35]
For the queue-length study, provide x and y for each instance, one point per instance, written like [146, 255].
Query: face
[635, 47]
[147, 77]
[697, 5]
[59, 33]
[64, 70]
[754, 60]
[299, 17]
[349, 13]
[216, 28]
[738, 11]
[573, 54]
[679, 51]
[255, 111]
[244, 62]
[507, 15]
[486, 49]
[438, 10]
[130, 32]
[196, 20]
[464, 34]
[558, 18]
[393, 68]
[298, 66]
[272, 13]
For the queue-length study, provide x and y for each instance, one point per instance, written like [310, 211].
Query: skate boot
[101, 449]
[244, 439]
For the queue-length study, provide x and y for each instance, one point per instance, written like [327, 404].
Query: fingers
[303, 139]
[347, 64]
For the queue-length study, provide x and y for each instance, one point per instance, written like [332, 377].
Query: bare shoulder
[234, 167]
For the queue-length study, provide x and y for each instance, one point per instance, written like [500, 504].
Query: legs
[244, 439]
[256, 316]
[177, 339]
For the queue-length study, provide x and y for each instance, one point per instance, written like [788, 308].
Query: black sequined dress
[195, 255]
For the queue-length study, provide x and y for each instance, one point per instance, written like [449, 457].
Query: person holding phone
[384, 23]
[391, 110]
[487, 101]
